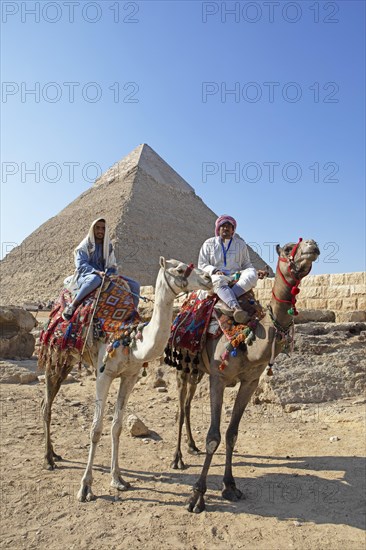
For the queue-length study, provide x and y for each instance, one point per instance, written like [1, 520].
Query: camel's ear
[278, 249]
[162, 262]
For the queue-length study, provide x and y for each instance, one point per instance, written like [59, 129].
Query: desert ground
[301, 469]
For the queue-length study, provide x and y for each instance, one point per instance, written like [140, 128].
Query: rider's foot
[240, 316]
[68, 312]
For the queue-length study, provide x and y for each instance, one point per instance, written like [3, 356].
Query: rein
[285, 334]
[294, 287]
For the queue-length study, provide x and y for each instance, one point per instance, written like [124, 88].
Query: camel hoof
[120, 484]
[85, 494]
[232, 493]
[48, 465]
[178, 464]
[193, 450]
[196, 503]
[56, 457]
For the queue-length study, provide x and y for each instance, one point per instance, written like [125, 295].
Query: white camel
[173, 277]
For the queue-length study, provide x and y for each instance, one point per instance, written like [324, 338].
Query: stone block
[318, 303]
[349, 304]
[20, 345]
[361, 303]
[337, 279]
[312, 292]
[301, 303]
[357, 278]
[350, 316]
[358, 289]
[340, 291]
[316, 280]
[147, 290]
[13, 319]
[334, 304]
[314, 315]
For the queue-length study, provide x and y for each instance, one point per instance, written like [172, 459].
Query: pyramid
[151, 211]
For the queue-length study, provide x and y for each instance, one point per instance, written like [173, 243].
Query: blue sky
[258, 105]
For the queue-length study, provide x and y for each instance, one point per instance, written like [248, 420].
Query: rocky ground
[299, 463]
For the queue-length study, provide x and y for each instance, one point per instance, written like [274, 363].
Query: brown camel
[295, 261]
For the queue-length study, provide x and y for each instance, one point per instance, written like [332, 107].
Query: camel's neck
[156, 333]
[280, 309]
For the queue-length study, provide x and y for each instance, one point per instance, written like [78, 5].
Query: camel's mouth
[311, 252]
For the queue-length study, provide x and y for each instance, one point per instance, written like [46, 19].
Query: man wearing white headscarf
[226, 258]
[94, 258]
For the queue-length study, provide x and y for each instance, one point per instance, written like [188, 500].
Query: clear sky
[258, 105]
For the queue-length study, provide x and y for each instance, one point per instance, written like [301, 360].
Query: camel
[173, 277]
[294, 263]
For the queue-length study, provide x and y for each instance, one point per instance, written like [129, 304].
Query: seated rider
[94, 258]
[226, 258]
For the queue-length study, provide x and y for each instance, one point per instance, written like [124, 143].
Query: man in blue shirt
[94, 259]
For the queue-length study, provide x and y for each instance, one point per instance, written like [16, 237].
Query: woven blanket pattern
[115, 307]
[189, 328]
[115, 310]
[248, 302]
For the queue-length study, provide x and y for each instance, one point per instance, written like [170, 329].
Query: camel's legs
[53, 383]
[125, 388]
[196, 502]
[186, 391]
[102, 388]
[191, 390]
[230, 491]
[182, 392]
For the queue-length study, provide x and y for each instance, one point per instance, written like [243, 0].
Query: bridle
[294, 286]
[183, 279]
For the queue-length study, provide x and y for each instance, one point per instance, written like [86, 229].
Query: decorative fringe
[174, 358]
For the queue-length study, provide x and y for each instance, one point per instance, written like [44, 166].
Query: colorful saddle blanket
[189, 328]
[114, 311]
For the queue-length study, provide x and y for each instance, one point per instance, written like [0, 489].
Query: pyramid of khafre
[150, 210]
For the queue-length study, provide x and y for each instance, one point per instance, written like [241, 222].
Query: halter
[294, 287]
[185, 275]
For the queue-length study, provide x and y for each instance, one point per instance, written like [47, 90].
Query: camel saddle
[190, 328]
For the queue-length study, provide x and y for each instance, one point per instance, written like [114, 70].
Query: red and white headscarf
[223, 219]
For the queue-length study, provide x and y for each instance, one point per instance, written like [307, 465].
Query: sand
[303, 491]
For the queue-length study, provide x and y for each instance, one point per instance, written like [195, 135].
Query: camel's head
[183, 277]
[297, 258]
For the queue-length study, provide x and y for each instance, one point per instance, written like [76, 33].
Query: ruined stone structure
[343, 293]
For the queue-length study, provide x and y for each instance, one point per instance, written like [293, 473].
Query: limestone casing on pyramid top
[146, 159]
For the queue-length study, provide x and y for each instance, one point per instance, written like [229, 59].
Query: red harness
[294, 287]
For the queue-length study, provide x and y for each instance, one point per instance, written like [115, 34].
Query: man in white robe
[226, 258]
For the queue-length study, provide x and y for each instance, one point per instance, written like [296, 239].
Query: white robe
[211, 259]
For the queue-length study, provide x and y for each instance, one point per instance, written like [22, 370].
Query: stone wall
[343, 293]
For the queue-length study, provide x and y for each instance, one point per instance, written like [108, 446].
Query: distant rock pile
[328, 363]
[16, 340]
